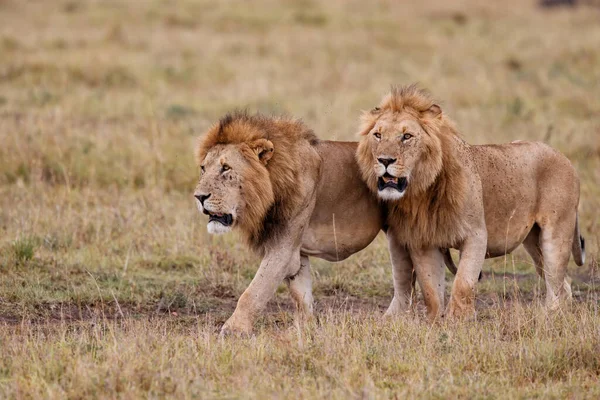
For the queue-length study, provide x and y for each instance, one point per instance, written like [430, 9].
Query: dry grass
[109, 286]
[515, 353]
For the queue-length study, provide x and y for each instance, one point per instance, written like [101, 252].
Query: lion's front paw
[460, 311]
[236, 328]
[398, 308]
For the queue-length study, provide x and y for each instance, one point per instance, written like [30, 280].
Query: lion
[483, 200]
[291, 196]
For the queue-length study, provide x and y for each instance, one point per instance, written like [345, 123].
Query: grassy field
[110, 286]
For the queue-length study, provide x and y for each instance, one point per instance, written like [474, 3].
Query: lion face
[398, 145]
[233, 177]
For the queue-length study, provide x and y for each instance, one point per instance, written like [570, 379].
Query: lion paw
[462, 312]
[231, 328]
[398, 308]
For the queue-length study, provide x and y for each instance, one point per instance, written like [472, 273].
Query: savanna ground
[109, 285]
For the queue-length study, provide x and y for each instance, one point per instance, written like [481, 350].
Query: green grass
[109, 285]
[23, 250]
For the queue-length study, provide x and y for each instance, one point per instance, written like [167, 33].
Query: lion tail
[449, 261]
[578, 248]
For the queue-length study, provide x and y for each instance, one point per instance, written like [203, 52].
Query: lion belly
[323, 242]
[346, 217]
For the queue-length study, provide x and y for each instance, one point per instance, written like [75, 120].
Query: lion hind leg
[532, 245]
[556, 249]
[301, 289]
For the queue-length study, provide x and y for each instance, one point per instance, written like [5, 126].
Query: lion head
[400, 149]
[248, 173]
[407, 151]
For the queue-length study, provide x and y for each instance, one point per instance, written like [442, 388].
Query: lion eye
[225, 168]
[406, 136]
[202, 169]
[377, 135]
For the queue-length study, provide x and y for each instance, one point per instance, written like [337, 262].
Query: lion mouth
[223, 219]
[389, 181]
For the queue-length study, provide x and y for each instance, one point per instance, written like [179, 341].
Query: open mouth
[389, 181]
[223, 219]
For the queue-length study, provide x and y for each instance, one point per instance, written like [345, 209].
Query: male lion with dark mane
[291, 195]
[483, 200]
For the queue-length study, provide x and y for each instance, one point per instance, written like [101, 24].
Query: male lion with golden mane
[483, 200]
[291, 195]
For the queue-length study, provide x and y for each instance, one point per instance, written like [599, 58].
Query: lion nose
[202, 198]
[386, 161]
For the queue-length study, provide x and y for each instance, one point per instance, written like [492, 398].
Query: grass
[109, 285]
[23, 250]
[516, 352]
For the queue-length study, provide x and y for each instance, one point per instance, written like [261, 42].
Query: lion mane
[433, 208]
[270, 203]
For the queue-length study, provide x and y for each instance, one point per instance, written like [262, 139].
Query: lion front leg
[431, 275]
[403, 276]
[472, 255]
[273, 269]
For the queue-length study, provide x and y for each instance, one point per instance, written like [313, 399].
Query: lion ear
[263, 149]
[434, 111]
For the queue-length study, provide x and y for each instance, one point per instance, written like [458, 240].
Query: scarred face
[227, 188]
[397, 153]
[397, 143]
[218, 191]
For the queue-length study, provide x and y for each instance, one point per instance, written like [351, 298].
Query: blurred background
[101, 103]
